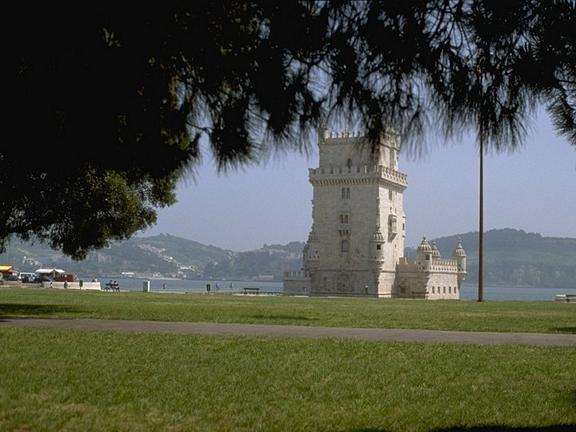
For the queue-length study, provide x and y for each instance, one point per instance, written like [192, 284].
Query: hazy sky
[533, 189]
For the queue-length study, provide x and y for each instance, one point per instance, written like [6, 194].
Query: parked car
[26, 277]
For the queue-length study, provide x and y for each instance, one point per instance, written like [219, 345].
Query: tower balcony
[357, 174]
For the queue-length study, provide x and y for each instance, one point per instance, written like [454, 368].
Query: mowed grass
[57, 380]
[501, 316]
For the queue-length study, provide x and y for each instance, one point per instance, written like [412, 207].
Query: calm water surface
[227, 286]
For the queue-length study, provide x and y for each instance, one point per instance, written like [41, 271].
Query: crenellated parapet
[361, 174]
[390, 139]
[297, 274]
[330, 135]
[444, 265]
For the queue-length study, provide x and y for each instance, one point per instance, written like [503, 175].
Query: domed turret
[435, 251]
[377, 236]
[311, 251]
[424, 246]
[460, 255]
[377, 247]
[424, 255]
[459, 251]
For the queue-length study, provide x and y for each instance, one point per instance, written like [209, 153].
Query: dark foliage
[107, 104]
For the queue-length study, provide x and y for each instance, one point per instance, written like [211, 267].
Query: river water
[227, 286]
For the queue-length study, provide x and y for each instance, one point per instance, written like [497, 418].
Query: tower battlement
[347, 174]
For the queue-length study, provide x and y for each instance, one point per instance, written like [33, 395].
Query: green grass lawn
[507, 316]
[58, 380]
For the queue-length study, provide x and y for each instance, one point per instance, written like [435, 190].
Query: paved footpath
[371, 334]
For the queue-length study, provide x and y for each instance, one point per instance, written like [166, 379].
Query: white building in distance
[356, 244]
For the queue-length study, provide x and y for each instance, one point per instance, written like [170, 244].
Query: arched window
[344, 246]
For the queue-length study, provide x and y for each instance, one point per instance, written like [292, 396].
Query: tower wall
[356, 244]
[358, 218]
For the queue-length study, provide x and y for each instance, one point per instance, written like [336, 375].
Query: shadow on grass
[492, 428]
[571, 330]
[281, 317]
[19, 310]
[499, 428]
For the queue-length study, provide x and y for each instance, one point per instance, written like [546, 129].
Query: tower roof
[424, 246]
[377, 236]
[459, 251]
[435, 251]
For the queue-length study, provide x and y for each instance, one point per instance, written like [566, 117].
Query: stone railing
[364, 171]
[444, 265]
[391, 139]
[296, 274]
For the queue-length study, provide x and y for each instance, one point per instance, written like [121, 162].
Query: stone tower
[358, 229]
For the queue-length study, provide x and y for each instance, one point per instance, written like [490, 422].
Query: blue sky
[533, 188]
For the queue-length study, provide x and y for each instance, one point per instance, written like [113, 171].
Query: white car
[27, 277]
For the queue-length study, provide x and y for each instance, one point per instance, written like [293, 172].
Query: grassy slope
[334, 312]
[55, 380]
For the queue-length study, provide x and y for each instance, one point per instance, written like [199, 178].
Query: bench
[251, 290]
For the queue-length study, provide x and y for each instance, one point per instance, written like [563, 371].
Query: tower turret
[435, 251]
[321, 131]
[424, 255]
[377, 248]
[311, 252]
[460, 256]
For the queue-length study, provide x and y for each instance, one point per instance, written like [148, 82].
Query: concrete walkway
[370, 334]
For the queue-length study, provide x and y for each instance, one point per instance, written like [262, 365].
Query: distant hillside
[512, 258]
[164, 255]
[271, 260]
[515, 258]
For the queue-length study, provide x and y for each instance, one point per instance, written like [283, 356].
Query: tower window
[378, 247]
[345, 193]
[344, 246]
[392, 224]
